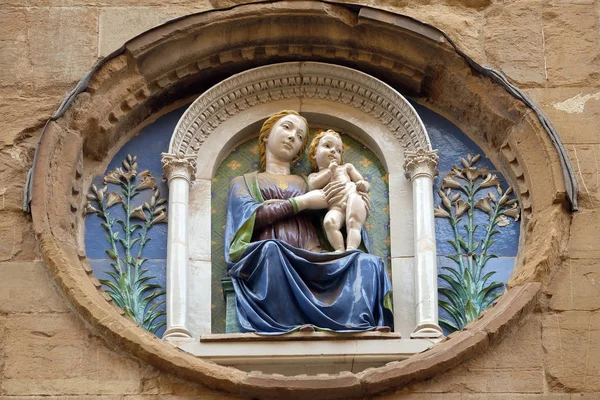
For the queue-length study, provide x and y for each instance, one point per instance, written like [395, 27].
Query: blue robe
[279, 287]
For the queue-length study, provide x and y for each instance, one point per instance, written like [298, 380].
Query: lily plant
[129, 283]
[466, 190]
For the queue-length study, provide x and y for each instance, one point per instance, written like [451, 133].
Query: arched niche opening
[332, 95]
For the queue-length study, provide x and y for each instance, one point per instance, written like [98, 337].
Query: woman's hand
[313, 200]
[335, 192]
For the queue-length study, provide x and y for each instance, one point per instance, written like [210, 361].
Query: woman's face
[329, 149]
[286, 138]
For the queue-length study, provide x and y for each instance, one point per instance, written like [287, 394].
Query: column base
[427, 330]
[177, 333]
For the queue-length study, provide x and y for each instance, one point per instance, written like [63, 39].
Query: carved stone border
[299, 80]
[122, 91]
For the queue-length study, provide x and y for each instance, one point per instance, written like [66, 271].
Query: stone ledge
[291, 357]
[295, 336]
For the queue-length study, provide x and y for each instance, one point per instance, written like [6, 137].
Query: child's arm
[355, 176]
[318, 180]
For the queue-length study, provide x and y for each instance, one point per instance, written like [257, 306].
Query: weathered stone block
[574, 112]
[14, 63]
[585, 241]
[516, 396]
[519, 350]
[514, 41]
[62, 44]
[168, 386]
[26, 287]
[576, 286]
[52, 354]
[463, 25]
[402, 394]
[466, 379]
[585, 160]
[14, 163]
[114, 397]
[118, 25]
[17, 241]
[571, 342]
[23, 116]
[572, 42]
[515, 365]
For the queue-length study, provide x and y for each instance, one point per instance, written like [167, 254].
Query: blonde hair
[312, 149]
[265, 130]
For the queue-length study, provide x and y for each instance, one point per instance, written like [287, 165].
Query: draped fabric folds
[280, 287]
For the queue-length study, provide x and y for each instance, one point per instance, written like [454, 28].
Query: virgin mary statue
[274, 248]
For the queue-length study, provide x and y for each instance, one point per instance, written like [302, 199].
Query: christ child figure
[352, 207]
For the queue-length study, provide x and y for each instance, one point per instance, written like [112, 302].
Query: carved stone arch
[308, 80]
[173, 63]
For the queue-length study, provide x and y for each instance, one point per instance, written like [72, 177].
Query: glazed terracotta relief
[244, 159]
[477, 208]
[127, 216]
[470, 197]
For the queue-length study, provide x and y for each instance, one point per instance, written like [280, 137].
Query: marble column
[179, 171]
[420, 169]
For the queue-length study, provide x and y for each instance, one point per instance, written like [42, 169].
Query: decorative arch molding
[309, 80]
[177, 61]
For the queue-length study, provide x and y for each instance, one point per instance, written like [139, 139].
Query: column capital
[420, 162]
[178, 166]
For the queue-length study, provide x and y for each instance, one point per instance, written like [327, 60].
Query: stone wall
[550, 48]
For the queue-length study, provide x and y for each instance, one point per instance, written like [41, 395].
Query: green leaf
[453, 243]
[456, 287]
[452, 296]
[470, 312]
[135, 227]
[485, 278]
[154, 295]
[156, 327]
[448, 325]
[154, 306]
[455, 313]
[114, 275]
[459, 277]
[490, 299]
[485, 293]
[455, 257]
[111, 254]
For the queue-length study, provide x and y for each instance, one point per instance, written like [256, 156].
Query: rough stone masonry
[549, 48]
